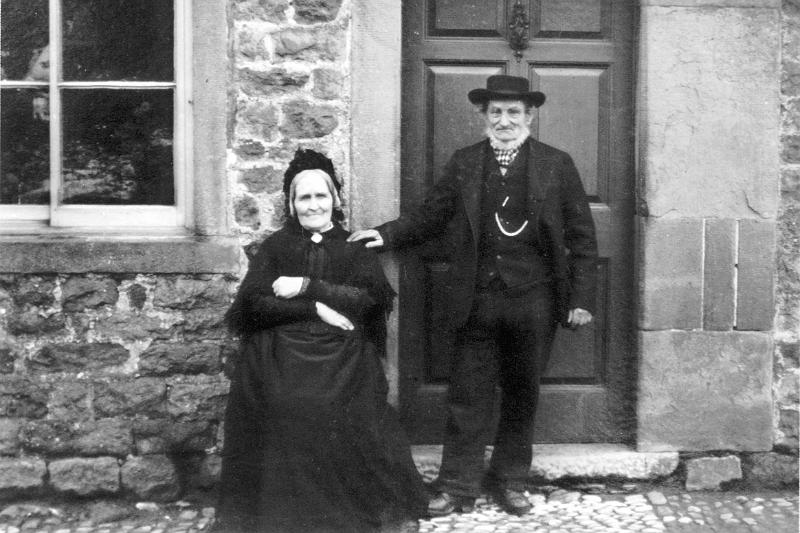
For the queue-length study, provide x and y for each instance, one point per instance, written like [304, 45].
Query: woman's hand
[334, 318]
[287, 287]
[579, 317]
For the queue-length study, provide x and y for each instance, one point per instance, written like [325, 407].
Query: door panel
[580, 55]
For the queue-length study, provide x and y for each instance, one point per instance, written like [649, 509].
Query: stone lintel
[704, 390]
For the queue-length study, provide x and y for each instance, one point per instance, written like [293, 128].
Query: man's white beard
[507, 145]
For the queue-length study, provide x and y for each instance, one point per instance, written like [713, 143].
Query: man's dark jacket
[449, 222]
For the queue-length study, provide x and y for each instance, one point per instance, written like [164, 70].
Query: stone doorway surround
[707, 145]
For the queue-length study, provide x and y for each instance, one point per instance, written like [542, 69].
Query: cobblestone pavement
[555, 510]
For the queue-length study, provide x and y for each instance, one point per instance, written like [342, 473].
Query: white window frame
[107, 217]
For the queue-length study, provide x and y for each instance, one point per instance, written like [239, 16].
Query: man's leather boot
[445, 503]
[512, 501]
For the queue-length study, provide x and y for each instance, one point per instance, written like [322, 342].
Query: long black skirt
[311, 444]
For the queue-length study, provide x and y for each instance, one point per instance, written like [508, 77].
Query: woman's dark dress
[311, 444]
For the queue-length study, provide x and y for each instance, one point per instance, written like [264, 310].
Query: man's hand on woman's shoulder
[372, 236]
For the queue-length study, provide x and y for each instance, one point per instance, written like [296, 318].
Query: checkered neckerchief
[505, 157]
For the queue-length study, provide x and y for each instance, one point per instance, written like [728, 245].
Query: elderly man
[514, 215]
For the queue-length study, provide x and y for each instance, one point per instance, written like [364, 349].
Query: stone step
[555, 461]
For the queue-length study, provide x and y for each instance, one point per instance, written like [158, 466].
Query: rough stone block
[672, 276]
[302, 119]
[276, 81]
[791, 148]
[755, 307]
[78, 293]
[719, 293]
[708, 473]
[250, 42]
[21, 475]
[70, 400]
[771, 470]
[85, 476]
[189, 293]
[22, 398]
[107, 436]
[788, 389]
[262, 179]
[328, 84]
[162, 436]
[202, 398]
[691, 168]
[35, 291]
[71, 357]
[137, 296]
[204, 324]
[134, 326]
[312, 11]
[788, 425]
[140, 396]
[33, 321]
[257, 119]
[9, 435]
[249, 148]
[180, 358]
[247, 213]
[272, 10]
[153, 477]
[705, 391]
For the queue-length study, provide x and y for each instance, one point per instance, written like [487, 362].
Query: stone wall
[290, 89]
[111, 384]
[787, 323]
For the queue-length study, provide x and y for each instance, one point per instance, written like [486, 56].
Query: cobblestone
[555, 510]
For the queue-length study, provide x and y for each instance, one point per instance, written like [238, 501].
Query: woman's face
[313, 202]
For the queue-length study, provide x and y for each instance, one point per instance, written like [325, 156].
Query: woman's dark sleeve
[349, 300]
[364, 290]
[256, 307]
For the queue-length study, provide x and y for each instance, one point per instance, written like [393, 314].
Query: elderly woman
[311, 444]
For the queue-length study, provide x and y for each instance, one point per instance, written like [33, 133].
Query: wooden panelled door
[579, 53]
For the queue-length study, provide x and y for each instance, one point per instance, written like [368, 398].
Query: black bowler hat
[502, 87]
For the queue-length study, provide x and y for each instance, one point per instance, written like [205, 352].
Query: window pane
[118, 40]
[23, 40]
[118, 147]
[24, 146]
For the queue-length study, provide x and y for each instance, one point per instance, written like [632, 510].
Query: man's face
[508, 119]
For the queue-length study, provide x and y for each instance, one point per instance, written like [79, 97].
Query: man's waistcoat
[508, 248]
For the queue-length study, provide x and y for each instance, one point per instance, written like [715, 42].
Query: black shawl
[345, 276]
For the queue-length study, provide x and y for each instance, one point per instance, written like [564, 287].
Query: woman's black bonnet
[308, 160]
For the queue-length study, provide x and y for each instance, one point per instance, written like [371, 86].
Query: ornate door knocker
[518, 30]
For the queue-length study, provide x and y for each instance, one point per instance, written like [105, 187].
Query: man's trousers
[506, 341]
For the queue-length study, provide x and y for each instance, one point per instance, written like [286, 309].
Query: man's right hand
[374, 236]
